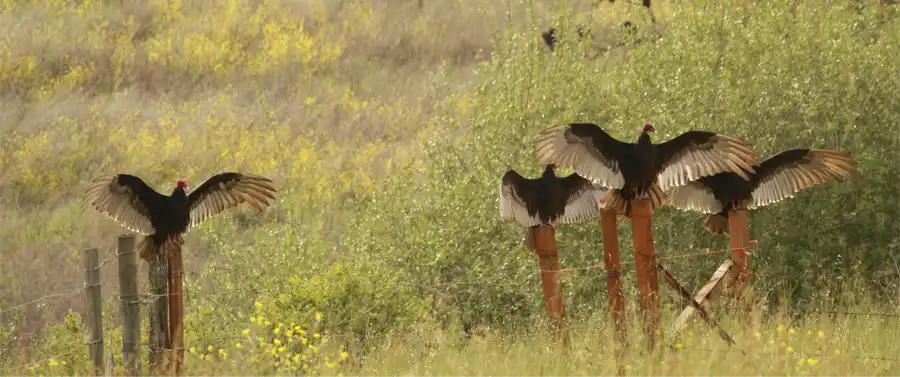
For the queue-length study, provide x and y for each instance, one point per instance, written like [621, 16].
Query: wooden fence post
[739, 235]
[709, 291]
[130, 303]
[159, 313]
[645, 266]
[95, 321]
[545, 241]
[176, 307]
[613, 265]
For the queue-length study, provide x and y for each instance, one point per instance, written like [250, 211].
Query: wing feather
[584, 200]
[585, 148]
[227, 190]
[693, 196]
[696, 154]
[792, 171]
[126, 199]
[512, 202]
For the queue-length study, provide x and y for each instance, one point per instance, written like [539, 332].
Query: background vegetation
[386, 127]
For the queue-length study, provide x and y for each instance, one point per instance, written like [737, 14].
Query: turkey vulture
[164, 219]
[636, 171]
[548, 200]
[774, 180]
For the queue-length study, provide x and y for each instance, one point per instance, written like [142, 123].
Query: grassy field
[386, 126]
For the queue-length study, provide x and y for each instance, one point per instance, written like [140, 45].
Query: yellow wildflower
[316, 335]
[837, 352]
[678, 345]
[812, 362]
[245, 332]
[821, 334]
[277, 331]
[780, 328]
[252, 319]
[277, 341]
[237, 345]
[789, 349]
[344, 355]
[53, 363]
[281, 349]
[319, 316]
[791, 331]
[193, 350]
[209, 348]
[289, 333]
[258, 305]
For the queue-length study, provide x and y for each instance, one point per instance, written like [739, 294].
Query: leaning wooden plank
[712, 288]
[694, 304]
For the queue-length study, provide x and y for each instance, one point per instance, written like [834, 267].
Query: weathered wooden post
[128, 299]
[545, 241]
[739, 234]
[722, 277]
[645, 266]
[176, 307]
[739, 237]
[613, 265]
[159, 313]
[95, 320]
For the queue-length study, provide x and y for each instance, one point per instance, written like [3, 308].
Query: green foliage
[778, 76]
[387, 129]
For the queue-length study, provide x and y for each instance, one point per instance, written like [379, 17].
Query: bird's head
[648, 128]
[182, 184]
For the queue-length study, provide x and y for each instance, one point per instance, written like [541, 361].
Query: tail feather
[147, 247]
[623, 207]
[530, 241]
[657, 196]
[617, 202]
[717, 223]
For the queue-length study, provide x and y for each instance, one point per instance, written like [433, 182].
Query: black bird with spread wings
[548, 200]
[131, 203]
[775, 179]
[638, 170]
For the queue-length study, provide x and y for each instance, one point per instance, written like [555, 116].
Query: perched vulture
[128, 201]
[774, 180]
[548, 200]
[641, 170]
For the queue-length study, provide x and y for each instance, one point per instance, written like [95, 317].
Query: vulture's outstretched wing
[226, 190]
[695, 196]
[584, 200]
[585, 148]
[512, 201]
[696, 154]
[789, 172]
[125, 199]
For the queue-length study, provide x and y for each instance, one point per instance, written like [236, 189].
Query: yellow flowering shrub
[295, 346]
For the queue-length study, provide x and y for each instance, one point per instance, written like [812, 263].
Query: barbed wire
[54, 295]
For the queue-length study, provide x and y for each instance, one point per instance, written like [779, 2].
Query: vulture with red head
[164, 219]
[774, 180]
[634, 171]
[548, 200]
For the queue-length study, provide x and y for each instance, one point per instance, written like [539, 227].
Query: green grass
[386, 129]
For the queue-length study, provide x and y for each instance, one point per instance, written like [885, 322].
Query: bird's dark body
[639, 166]
[172, 218]
[551, 201]
[730, 189]
[642, 171]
